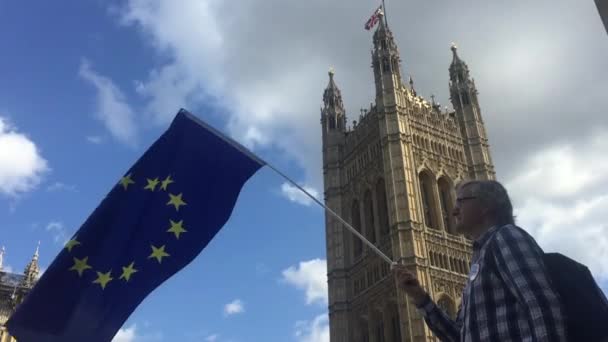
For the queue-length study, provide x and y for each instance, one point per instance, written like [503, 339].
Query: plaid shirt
[508, 296]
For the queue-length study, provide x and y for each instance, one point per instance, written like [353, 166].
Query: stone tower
[13, 288]
[392, 176]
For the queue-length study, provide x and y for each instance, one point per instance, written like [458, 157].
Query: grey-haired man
[508, 295]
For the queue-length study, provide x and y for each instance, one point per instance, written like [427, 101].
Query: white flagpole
[384, 12]
[333, 213]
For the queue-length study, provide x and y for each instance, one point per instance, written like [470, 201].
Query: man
[508, 296]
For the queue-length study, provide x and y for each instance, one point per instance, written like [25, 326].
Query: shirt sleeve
[519, 261]
[440, 323]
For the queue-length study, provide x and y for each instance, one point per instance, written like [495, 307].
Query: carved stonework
[413, 148]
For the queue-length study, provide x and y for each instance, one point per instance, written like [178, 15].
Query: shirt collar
[483, 238]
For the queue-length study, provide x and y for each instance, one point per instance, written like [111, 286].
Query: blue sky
[86, 86]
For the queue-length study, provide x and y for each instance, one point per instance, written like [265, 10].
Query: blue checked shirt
[508, 295]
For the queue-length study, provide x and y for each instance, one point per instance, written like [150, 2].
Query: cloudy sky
[86, 86]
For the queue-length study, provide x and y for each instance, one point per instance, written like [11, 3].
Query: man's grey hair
[494, 196]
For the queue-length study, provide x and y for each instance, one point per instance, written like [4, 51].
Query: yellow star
[177, 228]
[152, 183]
[103, 279]
[128, 271]
[126, 180]
[71, 244]
[176, 201]
[158, 253]
[166, 183]
[80, 265]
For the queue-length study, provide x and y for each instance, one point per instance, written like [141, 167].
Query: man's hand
[408, 283]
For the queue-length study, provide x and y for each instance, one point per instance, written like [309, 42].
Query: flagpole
[384, 10]
[333, 213]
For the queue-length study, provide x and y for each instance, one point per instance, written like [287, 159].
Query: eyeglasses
[462, 199]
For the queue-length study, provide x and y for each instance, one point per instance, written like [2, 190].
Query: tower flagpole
[384, 12]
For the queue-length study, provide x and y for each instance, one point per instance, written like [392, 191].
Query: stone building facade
[13, 288]
[392, 175]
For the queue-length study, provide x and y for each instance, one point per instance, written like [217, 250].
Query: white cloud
[7, 268]
[234, 307]
[296, 195]
[268, 89]
[94, 139]
[561, 198]
[212, 338]
[112, 107]
[126, 334]
[310, 276]
[316, 330]
[58, 186]
[58, 231]
[269, 75]
[21, 165]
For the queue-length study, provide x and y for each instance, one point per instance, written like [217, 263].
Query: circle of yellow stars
[158, 252]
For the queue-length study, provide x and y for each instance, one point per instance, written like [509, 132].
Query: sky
[87, 86]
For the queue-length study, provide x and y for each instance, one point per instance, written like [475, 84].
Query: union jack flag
[373, 20]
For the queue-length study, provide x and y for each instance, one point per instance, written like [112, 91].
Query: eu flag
[155, 220]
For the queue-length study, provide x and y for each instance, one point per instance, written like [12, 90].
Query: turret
[463, 95]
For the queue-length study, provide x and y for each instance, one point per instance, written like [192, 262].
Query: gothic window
[370, 228]
[447, 305]
[356, 222]
[332, 122]
[364, 332]
[428, 204]
[445, 197]
[396, 328]
[465, 98]
[383, 44]
[385, 65]
[382, 207]
[380, 331]
[395, 64]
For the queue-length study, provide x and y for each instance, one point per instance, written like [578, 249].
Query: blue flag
[156, 220]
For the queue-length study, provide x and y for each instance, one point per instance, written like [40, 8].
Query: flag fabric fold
[156, 219]
[373, 20]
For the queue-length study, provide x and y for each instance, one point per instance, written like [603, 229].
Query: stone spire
[30, 274]
[459, 71]
[412, 89]
[386, 60]
[464, 97]
[333, 114]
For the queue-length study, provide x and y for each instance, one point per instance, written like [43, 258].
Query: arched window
[356, 222]
[395, 326]
[428, 201]
[370, 227]
[447, 205]
[386, 67]
[465, 98]
[332, 123]
[382, 207]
